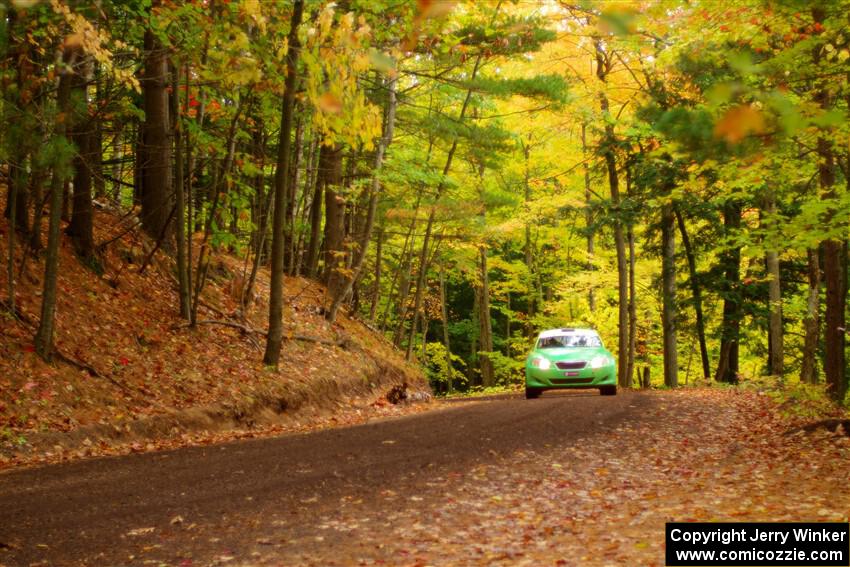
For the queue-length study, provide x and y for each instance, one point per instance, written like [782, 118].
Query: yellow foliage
[252, 9]
[334, 55]
[92, 41]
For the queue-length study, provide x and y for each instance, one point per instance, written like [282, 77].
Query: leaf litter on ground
[707, 455]
[136, 362]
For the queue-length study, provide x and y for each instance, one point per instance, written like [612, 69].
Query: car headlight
[599, 362]
[541, 363]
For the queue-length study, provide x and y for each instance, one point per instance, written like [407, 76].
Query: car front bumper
[557, 378]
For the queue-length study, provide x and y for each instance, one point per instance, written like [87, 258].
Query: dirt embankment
[130, 375]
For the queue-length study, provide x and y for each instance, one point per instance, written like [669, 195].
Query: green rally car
[569, 358]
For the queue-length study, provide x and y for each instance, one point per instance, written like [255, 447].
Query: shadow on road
[589, 393]
[102, 511]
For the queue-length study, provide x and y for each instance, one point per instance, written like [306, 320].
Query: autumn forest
[457, 175]
[273, 270]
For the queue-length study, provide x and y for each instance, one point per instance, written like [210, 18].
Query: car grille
[577, 365]
[572, 380]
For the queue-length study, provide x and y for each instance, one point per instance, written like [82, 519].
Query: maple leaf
[434, 8]
[739, 122]
[330, 103]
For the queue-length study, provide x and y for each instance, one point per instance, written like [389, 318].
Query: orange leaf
[434, 8]
[739, 122]
[329, 103]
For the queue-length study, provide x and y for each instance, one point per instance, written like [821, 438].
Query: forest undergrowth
[131, 376]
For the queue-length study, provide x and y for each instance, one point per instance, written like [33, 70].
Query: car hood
[570, 353]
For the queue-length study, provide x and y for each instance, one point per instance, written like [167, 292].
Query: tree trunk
[195, 197]
[476, 331]
[17, 198]
[421, 284]
[334, 216]
[603, 67]
[371, 208]
[156, 193]
[17, 203]
[776, 357]
[668, 276]
[444, 309]
[696, 292]
[234, 194]
[376, 292]
[219, 173]
[811, 322]
[96, 153]
[834, 274]
[420, 314]
[80, 228]
[35, 191]
[44, 334]
[182, 262]
[190, 214]
[630, 238]
[312, 262]
[508, 329]
[834, 269]
[528, 246]
[17, 173]
[17, 169]
[487, 376]
[727, 364]
[403, 272]
[291, 194]
[622, 279]
[18, 116]
[66, 201]
[263, 206]
[420, 279]
[275, 333]
[588, 221]
[140, 158]
[630, 365]
[118, 141]
[305, 210]
[402, 276]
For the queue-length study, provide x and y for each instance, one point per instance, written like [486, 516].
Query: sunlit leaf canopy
[622, 165]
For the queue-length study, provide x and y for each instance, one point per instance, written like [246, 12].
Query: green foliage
[57, 154]
[509, 36]
[436, 367]
[477, 391]
[507, 371]
[797, 399]
[548, 87]
[501, 144]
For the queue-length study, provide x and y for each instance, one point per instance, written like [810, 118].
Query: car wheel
[531, 393]
[608, 390]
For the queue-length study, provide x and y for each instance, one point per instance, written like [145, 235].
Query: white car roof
[566, 331]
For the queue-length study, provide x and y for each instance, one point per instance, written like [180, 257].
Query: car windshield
[574, 340]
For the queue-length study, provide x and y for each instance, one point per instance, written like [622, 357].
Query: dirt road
[568, 479]
[200, 504]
